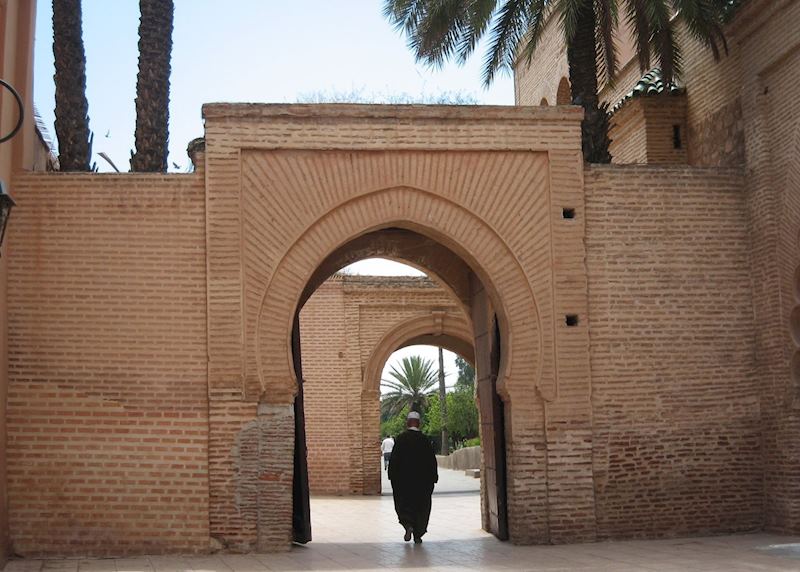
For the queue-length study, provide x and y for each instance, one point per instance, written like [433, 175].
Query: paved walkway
[361, 533]
[450, 482]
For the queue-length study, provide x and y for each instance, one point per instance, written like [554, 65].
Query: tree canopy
[411, 385]
[440, 30]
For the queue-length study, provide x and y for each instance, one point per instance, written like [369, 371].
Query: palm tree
[72, 120]
[410, 386]
[438, 30]
[152, 86]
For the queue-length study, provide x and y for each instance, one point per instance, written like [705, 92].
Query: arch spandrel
[421, 211]
[283, 191]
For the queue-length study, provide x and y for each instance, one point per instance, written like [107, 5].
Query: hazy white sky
[273, 51]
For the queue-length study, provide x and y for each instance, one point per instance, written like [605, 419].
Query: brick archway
[500, 294]
[448, 330]
[288, 186]
[411, 208]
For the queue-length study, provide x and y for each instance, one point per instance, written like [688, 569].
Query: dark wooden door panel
[301, 502]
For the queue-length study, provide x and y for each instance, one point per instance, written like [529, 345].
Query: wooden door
[498, 494]
[301, 505]
[487, 366]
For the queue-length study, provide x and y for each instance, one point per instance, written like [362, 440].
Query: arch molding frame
[287, 185]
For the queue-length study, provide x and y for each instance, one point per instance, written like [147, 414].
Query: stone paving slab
[362, 534]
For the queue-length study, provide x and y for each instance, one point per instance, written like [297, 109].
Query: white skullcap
[413, 415]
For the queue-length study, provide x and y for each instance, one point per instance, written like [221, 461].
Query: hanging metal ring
[21, 108]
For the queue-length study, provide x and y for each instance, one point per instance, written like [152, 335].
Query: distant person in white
[386, 448]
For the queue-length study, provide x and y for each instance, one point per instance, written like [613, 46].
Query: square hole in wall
[677, 143]
[567, 213]
[571, 319]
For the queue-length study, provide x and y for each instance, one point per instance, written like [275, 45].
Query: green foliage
[439, 30]
[432, 418]
[394, 425]
[411, 386]
[474, 442]
[414, 386]
[466, 375]
[361, 96]
[462, 416]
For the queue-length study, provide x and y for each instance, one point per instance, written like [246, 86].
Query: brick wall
[675, 401]
[628, 134]
[331, 390]
[642, 131]
[664, 115]
[16, 67]
[282, 205]
[117, 399]
[108, 396]
[714, 127]
[342, 325]
[771, 117]
[541, 79]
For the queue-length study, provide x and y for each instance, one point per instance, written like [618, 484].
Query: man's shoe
[417, 539]
[408, 534]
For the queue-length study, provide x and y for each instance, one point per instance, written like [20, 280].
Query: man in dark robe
[412, 470]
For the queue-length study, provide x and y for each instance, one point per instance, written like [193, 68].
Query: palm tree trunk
[443, 404]
[152, 86]
[72, 120]
[582, 59]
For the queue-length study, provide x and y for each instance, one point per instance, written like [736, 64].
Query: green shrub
[474, 442]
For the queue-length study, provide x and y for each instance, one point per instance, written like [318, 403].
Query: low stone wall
[461, 459]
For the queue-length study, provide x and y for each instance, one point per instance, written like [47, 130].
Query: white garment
[387, 445]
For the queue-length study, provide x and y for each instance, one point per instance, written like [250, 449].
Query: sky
[272, 51]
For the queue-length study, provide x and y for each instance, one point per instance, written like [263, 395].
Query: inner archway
[453, 327]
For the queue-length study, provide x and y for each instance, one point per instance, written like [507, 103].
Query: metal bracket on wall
[6, 202]
[20, 107]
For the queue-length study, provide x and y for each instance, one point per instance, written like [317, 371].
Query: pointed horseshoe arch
[454, 330]
[414, 209]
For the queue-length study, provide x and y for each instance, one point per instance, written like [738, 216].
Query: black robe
[412, 470]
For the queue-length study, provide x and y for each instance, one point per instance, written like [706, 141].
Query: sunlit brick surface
[350, 322]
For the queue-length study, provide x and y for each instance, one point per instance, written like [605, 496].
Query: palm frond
[439, 31]
[704, 19]
[411, 381]
[404, 14]
[536, 18]
[479, 16]
[569, 12]
[510, 27]
[639, 23]
[662, 38]
[607, 22]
